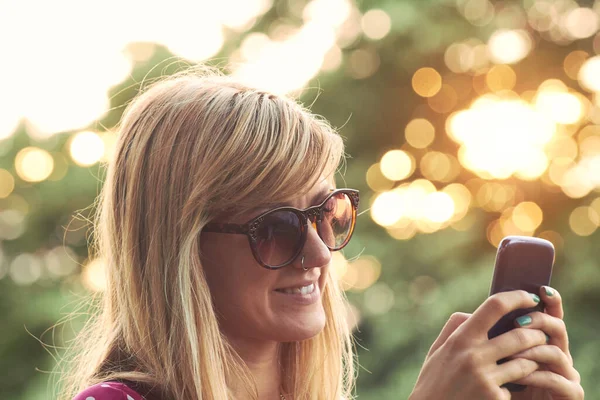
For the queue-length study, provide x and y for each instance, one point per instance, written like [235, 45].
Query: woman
[217, 222]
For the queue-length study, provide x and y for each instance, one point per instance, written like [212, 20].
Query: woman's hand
[556, 379]
[462, 362]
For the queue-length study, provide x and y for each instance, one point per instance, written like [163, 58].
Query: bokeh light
[61, 167]
[584, 220]
[60, 261]
[362, 63]
[93, 275]
[527, 216]
[339, 264]
[240, 15]
[501, 77]
[589, 74]
[332, 60]
[397, 165]
[595, 205]
[562, 147]
[444, 100]
[25, 269]
[559, 105]
[86, 148]
[510, 16]
[367, 270]
[541, 16]
[418, 206]
[438, 207]
[481, 57]
[494, 196]
[403, 231]
[376, 24]
[109, 141]
[590, 146]
[33, 164]
[376, 180]
[7, 183]
[573, 62]
[581, 22]
[459, 57]
[387, 208]
[509, 46]
[500, 138]
[554, 237]
[577, 181]
[461, 198]
[419, 133]
[426, 82]
[558, 168]
[12, 223]
[379, 298]
[438, 166]
[477, 12]
[302, 53]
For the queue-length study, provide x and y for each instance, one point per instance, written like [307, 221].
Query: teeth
[302, 290]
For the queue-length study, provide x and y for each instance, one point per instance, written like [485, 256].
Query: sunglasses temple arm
[364, 211]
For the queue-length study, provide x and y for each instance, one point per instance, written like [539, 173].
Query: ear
[453, 323]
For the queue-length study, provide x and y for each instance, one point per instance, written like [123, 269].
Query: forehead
[314, 196]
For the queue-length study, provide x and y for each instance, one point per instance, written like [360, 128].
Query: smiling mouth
[299, 290]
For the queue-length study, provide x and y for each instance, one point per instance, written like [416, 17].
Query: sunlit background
[466, 121]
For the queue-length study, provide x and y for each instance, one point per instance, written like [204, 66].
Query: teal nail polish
[535, 297]
[547, 339]
[524, 320]
[549, 292]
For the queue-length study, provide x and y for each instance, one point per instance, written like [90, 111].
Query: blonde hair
[190, 147]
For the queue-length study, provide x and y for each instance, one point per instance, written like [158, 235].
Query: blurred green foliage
[372, 113]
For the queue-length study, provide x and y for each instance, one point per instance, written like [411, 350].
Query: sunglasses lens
[337, 221]
[278, 237]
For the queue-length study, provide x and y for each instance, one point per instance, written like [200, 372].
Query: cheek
[238, 285]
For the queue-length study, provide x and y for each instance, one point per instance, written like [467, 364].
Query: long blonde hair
[189, 148]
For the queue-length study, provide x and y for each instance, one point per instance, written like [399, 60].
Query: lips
[297, 285]
[308, 295]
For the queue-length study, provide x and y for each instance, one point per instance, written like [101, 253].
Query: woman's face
[246, 295]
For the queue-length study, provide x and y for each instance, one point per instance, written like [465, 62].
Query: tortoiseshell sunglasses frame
[309, 214]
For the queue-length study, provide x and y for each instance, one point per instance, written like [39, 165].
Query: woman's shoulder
[109, 391]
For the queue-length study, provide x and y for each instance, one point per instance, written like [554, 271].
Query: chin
[302, 328]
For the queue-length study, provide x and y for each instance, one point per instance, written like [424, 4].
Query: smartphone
[522, 263]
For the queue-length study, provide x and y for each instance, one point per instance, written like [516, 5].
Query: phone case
[521, 263]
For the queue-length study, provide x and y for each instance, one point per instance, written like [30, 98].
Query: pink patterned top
[109, 391]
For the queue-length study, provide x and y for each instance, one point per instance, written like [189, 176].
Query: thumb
[452, 324]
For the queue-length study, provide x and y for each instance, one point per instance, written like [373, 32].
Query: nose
[315, 253]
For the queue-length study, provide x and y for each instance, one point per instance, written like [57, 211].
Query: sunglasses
[277, 236]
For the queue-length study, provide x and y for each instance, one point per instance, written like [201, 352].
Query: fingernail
[549, 291]
[524, 320]
[535, 297]
[547, 339]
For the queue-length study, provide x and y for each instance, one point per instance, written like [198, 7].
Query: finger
[513, 370]
[505, 394]
[511, 342]
[455, 320]
[558, 385]
[494, 308]
[554, 327]
[553, 358]
[552, 301]
[501, 393]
